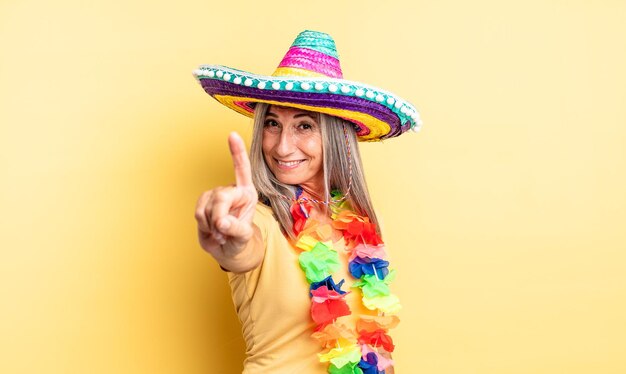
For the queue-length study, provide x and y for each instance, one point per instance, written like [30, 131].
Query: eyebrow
[268, 114]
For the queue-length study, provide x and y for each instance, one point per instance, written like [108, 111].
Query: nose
[286, 144]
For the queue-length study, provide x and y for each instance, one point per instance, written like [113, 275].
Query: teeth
[289, 163]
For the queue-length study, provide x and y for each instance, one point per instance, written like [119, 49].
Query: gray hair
[336, 170]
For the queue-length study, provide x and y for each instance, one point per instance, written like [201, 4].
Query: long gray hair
[336, 169]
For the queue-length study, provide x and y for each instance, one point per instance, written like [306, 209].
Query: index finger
[243, 175]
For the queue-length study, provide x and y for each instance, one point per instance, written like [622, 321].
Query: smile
[289, 164]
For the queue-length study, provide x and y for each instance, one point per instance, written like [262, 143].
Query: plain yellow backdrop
[505, 216]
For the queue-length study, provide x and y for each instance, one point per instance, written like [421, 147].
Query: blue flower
[329, 283]
[360, 266]
[370, 366]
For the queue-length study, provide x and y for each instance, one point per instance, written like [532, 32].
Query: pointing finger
[225, 201]
[240, 160]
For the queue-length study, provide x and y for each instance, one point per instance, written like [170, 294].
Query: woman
[299, 224]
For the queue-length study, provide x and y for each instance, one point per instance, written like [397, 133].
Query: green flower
[372, 287]
[319, 262]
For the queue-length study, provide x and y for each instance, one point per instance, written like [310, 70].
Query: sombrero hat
[309, 77]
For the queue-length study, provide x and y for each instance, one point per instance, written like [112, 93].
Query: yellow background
[505, 216]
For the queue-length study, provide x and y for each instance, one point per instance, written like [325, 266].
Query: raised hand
[224, 214]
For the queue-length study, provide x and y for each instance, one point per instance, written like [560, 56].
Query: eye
[305, 126]
[270, 123]
[271, 126]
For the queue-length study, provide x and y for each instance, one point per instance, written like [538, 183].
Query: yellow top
[273, 305]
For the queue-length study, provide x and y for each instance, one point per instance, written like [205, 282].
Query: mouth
[288, 165]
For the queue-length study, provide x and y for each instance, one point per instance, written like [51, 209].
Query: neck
[314, 187]
[311, 193]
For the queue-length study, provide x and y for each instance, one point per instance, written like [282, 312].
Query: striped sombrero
[309, 77]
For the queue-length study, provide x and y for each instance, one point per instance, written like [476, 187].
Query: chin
[292, 180]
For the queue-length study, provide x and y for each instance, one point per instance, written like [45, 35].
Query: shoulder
[264, 219]
[264, 211]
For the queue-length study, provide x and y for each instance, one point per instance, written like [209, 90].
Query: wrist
[249, 257]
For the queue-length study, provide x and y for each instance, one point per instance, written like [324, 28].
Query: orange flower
[373, 323]
[333, 333]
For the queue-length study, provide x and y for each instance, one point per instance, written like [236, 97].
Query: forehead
[283, 111]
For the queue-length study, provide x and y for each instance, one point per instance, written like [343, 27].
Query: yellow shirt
[273, 305]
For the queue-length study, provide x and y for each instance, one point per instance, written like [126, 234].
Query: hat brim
[376, 113]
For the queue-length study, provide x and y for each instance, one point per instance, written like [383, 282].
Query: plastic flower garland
[349, 351]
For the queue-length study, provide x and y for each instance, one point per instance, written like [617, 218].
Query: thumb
[235, 228]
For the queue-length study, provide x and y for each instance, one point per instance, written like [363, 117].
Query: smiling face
[292, 147]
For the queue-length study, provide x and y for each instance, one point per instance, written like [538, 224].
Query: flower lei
[348, 351]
